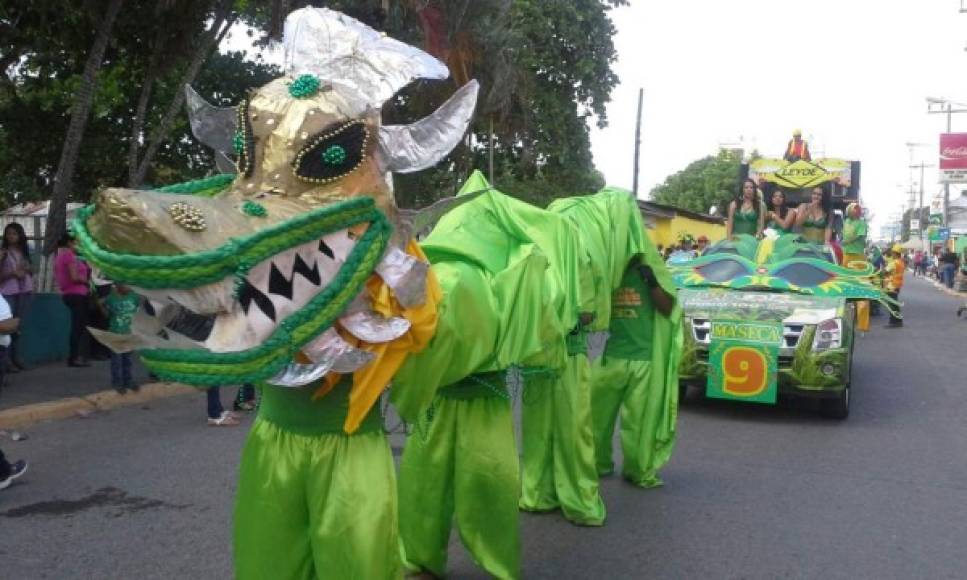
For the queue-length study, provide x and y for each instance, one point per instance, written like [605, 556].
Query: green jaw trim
[204, 368]
[234, 258]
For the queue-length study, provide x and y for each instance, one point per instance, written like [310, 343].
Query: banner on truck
[801, 174]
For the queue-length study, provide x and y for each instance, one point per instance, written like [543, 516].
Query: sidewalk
[56, 391]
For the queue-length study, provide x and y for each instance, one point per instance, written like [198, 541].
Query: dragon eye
[803, 275]
[332, 153]
[722, 270]
[244, 141]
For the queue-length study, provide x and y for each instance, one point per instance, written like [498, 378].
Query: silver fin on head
[213, 126]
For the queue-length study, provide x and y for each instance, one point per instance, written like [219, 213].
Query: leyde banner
[743, 360]
[953, 158]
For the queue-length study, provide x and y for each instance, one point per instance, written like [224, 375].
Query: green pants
[315, 505]
[465, 463]
[627, 386]
[558, 464]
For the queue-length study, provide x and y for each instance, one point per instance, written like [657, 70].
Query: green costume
[854, 236]
[558, 442]
[773, 224]
[814, 230]
[638, 376]
[314, 502]
[465, 463]
[745, 222]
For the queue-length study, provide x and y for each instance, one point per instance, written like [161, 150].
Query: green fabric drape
[321, 506]
[465, 464]
[515, 278]
[558, 467]
[648, 412]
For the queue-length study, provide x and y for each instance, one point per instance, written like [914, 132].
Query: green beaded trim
[201, 367]
[334, 155]
[305, 86]
[238, 142]
[254, 209]
[235, 258]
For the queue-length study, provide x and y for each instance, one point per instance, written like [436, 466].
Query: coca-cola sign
[953, 157]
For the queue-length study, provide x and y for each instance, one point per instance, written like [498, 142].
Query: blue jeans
[947, 275]
[121, 369]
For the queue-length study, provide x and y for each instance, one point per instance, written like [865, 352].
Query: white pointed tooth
[340, 243]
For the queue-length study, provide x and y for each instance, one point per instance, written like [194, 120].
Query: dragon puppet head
[263, 275]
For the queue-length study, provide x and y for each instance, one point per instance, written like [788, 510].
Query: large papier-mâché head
[246, 273]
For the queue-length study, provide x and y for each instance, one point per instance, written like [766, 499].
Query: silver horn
[414, 147]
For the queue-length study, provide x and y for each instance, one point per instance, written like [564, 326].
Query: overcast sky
[854, 74]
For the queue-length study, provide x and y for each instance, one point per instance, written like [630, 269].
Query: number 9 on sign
[745, 371]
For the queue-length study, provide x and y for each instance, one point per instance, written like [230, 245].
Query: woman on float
[816, 218]
[746, 212]
[780, 217]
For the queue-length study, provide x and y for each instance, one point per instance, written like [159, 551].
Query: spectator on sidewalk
[948, 268]
[121, 304]
[72, 275]
[8, 325]
[218, 416]
[10, 471]
[16, 285]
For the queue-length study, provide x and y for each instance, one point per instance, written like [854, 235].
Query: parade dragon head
[786, 263]
[270, 274]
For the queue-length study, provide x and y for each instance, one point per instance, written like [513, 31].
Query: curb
[26, 415]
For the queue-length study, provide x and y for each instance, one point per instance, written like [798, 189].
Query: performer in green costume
[558, 441]
[300, 472]
[463, 461]
[638, 375]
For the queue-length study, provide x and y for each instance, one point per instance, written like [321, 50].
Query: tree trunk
[212, 39]
[137, 129]
[80, 111]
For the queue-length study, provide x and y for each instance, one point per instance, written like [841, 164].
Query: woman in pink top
[16, 284]
[72, 275]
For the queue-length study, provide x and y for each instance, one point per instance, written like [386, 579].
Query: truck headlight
[829, 334]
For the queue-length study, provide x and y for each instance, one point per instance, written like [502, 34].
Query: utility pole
[922, 166]
[641, 97]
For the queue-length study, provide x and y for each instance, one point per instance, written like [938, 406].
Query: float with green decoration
[771, 317]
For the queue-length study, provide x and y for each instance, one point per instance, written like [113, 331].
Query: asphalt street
[751, 492]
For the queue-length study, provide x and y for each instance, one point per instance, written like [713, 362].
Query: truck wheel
[837, 408]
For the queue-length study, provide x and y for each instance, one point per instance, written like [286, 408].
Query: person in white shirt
[8, 325]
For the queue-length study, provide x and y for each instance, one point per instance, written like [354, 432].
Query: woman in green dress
[816, 218]
[780, 217]
[746, 212]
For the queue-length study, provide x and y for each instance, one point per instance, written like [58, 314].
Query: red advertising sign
[953, 157]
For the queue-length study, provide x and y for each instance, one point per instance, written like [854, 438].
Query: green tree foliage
[46, 45]
[710, 181]
[545, 70]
